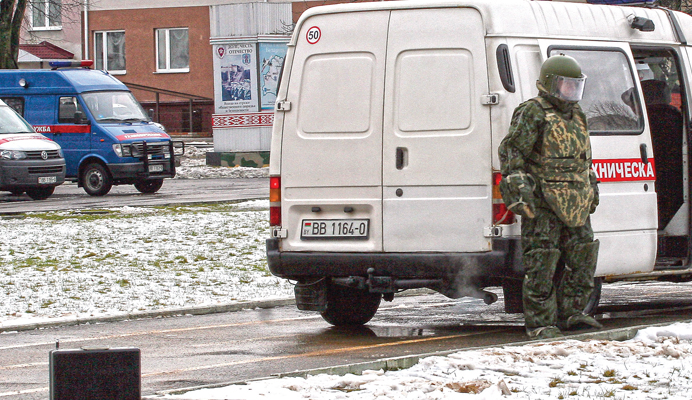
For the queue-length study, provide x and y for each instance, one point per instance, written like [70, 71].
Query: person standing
[547, 179]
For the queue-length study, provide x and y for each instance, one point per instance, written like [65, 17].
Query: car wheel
[149, 186]
[95, 180]
[40, 193]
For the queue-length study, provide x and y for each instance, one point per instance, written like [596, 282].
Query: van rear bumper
[503, 261]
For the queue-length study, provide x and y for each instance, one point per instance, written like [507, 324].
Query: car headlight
[122, 150]
[60, 153]
[12, 155]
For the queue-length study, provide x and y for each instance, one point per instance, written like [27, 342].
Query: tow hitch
[388, 285]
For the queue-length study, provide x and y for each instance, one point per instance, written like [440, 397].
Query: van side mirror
[80, 118]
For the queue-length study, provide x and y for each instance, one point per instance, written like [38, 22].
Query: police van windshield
[11, 122]
[114, 107]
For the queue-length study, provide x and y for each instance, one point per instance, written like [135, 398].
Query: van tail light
[275, 201]
[501, 215]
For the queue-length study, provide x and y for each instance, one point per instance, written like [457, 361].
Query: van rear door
[437, 141]
[331, 157]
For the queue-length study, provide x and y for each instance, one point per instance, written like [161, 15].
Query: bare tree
[14, 15]
[11, 17]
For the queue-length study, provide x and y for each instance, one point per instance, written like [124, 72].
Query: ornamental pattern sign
[242, 120]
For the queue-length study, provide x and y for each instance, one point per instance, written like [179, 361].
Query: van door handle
[401, 157]
[643, 153]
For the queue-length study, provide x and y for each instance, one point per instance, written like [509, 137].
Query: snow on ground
[79, 263]
[193, 166]
[656, 364]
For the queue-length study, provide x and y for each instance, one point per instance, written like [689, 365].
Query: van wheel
[512, 293]
[349, 306]
[40, 193]
[512, 290]
[149, 186]
[595, 298]
[95, 180]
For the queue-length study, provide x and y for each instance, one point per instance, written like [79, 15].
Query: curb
[168, 312]
[404, 362]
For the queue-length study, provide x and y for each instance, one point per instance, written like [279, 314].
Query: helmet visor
[566, 88]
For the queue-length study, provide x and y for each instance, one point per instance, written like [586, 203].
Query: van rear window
[611, 102]
[337, 93]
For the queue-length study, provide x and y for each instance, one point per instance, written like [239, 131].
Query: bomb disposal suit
[547, 179]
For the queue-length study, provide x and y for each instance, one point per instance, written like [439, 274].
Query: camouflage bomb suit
[548, 139]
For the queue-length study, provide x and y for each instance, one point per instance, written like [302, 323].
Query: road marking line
[157, 332]
[27, 391]
[17, 366]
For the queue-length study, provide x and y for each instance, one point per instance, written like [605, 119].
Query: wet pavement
[189, 351]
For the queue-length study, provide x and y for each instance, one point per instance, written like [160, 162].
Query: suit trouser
[546, 240]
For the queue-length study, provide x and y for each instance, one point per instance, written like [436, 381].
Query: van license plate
[335, 229]
[156, 168]
[47, 179]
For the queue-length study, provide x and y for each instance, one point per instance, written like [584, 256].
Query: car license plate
[47, 179]
[335, 229]
[156, 168]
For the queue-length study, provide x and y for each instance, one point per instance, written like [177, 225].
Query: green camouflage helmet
[561, 77]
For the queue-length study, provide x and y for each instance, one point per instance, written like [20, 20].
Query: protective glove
[594, 185]
[517, 193]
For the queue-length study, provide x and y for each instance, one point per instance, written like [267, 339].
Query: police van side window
[70, 112]
[610, 101]
[17, 103]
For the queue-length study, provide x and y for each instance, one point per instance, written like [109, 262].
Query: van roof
[541, 19]
[62, 81]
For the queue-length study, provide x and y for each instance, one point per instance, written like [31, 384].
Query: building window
[109, 51]
[172, 50]
[46, 14]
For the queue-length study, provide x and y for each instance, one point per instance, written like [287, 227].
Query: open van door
[626, 220]
[436, 174]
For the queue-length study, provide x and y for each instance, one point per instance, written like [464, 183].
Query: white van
[384, 165]
[29, 161]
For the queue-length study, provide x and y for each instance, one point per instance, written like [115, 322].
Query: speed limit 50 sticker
[314, 34]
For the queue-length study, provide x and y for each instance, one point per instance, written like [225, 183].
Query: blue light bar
[71, 64]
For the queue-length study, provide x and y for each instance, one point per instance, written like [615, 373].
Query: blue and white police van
[106, 136]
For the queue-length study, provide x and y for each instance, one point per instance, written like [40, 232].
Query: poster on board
[271, 59]
[236, 78]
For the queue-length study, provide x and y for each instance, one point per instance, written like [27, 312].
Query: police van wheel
[595, 298]
[349, 306]
[40, 193]
[149, 186]
[512, 290]
[95, 180]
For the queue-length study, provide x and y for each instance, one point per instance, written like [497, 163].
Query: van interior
[665, 100]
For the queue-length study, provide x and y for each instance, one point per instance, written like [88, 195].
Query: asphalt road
[189, 351]
[174, 191]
